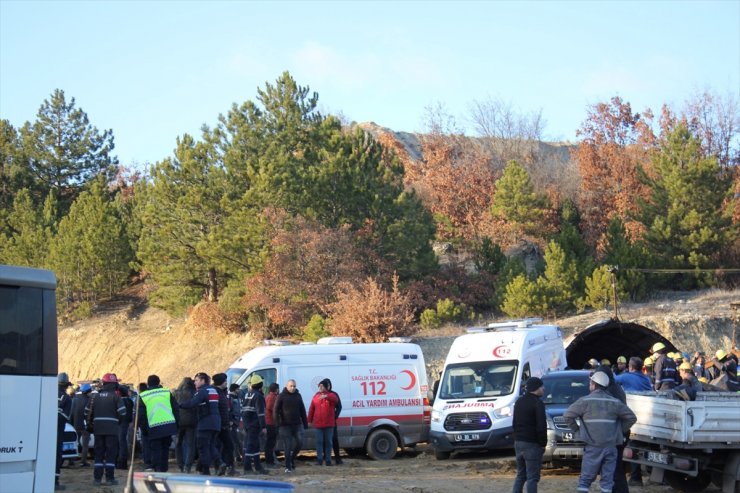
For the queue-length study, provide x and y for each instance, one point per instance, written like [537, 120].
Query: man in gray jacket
[602, 422]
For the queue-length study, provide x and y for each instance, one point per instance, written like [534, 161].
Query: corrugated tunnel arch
[610, 339]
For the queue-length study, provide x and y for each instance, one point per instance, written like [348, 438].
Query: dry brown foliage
[208, 316]
[370, 313]
[299, 280]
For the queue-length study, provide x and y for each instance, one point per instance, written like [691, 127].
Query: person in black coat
[64, 410]
[105, 411]
[185, 447]
[291, 420]
[530, 436]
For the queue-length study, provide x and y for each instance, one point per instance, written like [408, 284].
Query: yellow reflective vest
[158, 407]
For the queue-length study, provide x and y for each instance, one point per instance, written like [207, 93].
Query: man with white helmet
[602, 422]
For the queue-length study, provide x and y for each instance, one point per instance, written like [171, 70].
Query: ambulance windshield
[478, 379]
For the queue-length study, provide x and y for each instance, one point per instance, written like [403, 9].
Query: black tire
[441, 455]
[382, 444]
[682, 482]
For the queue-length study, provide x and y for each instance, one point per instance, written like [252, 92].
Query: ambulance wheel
[381, 445]
[441, 455]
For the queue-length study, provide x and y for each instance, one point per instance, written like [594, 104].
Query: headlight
[504, 412]
[436, 416]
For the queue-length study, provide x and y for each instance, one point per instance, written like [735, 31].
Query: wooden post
[733, 343]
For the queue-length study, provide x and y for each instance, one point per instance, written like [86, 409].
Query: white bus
[28, 379]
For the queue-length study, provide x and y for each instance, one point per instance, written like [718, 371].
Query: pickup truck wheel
[440, 455]
[382, 445]
[682, 482]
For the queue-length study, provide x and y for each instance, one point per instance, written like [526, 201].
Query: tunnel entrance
[610, 339]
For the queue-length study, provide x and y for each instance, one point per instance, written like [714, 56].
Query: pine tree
[626, 255]
[516, 201]
[522, 298]
[29, 230]
[65, 152]
[686, 217]
[557, 285]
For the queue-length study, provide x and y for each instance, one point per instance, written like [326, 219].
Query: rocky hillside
[134, 340]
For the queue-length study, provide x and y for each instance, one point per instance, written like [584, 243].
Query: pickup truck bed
[712, 420]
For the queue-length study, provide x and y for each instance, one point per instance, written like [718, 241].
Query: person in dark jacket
[79, 403]
[253, 414]
[205, 401]
[122, 462]
[270, 427]
[105, 411]
[235, 419]
[158, 413]
[64, 410]
[146, 455]
[185, 447]
[664, 368]
[225, 461]
[290, 418]
[615, 390]
[337, 411]
[530, 436]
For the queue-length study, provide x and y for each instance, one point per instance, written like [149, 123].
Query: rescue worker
[64, 410]
[691, 385]
[621, 365]
[647, 370]
[664, 368]
[253, 414]
[530, 436]
[290, 418]
[726, 365]
[105, 412]
[321, 415]
[122, 462]
[605, 421]
[158, 413]
[205, 401]
[677, 360]
[270, 426]
[225, 462]
[79, 403]
[699, 362]
[235, 419]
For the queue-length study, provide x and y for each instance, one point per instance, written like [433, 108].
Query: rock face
[135, 344]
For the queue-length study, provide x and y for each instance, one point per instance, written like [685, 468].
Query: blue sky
[151, 71]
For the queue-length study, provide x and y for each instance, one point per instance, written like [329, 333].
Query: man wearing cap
[205, 401]
[105, 411]
[226, 458]
[253, 414]
[634, 380]
[79, 403]
[64, 409]
[604, 422]
[664, 368]
[158, 414]
[530, 436]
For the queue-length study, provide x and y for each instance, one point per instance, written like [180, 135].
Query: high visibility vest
[158, 407]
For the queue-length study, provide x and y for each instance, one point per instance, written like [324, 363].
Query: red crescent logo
[501, 351]
[413, 379]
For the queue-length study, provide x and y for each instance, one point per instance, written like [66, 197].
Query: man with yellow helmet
[621, 365]
[688, 389]
[664, 368]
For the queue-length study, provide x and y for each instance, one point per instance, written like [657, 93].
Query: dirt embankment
[135, 340]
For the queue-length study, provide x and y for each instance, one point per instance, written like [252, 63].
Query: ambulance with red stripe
[484, 375]
[383, 388]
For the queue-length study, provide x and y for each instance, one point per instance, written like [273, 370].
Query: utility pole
[734, 305]
[613, 269]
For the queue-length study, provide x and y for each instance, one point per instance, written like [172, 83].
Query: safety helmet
[606, 362]
[601, 378]
[671, 355]
[648, 361]
[721, 354]
[621, 359]
[658, 346]
[85, 387]
[686, 366]
[63, 379]
[255, 380]
[593, 362]
[110, 378]
[678, 356]
[703, 379]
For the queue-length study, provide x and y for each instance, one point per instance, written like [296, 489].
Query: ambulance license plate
[468, 437]
[658, 458]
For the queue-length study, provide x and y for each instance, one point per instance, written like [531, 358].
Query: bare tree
[715, 118]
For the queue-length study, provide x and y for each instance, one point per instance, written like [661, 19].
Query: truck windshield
[478, 379]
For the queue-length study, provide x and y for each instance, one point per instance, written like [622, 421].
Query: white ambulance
[383, 388]
[484, 374]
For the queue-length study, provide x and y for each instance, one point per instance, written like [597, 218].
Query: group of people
[602, 418]
[205, 416]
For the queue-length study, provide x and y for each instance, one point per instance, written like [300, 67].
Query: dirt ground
[418, 473]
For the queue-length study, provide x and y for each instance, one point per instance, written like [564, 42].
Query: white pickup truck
[687, 443]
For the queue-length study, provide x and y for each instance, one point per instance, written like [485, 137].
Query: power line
[684, 271]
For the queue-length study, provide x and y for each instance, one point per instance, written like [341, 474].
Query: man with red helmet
[105, 411]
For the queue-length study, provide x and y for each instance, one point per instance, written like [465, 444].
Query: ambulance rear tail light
[427, 416]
